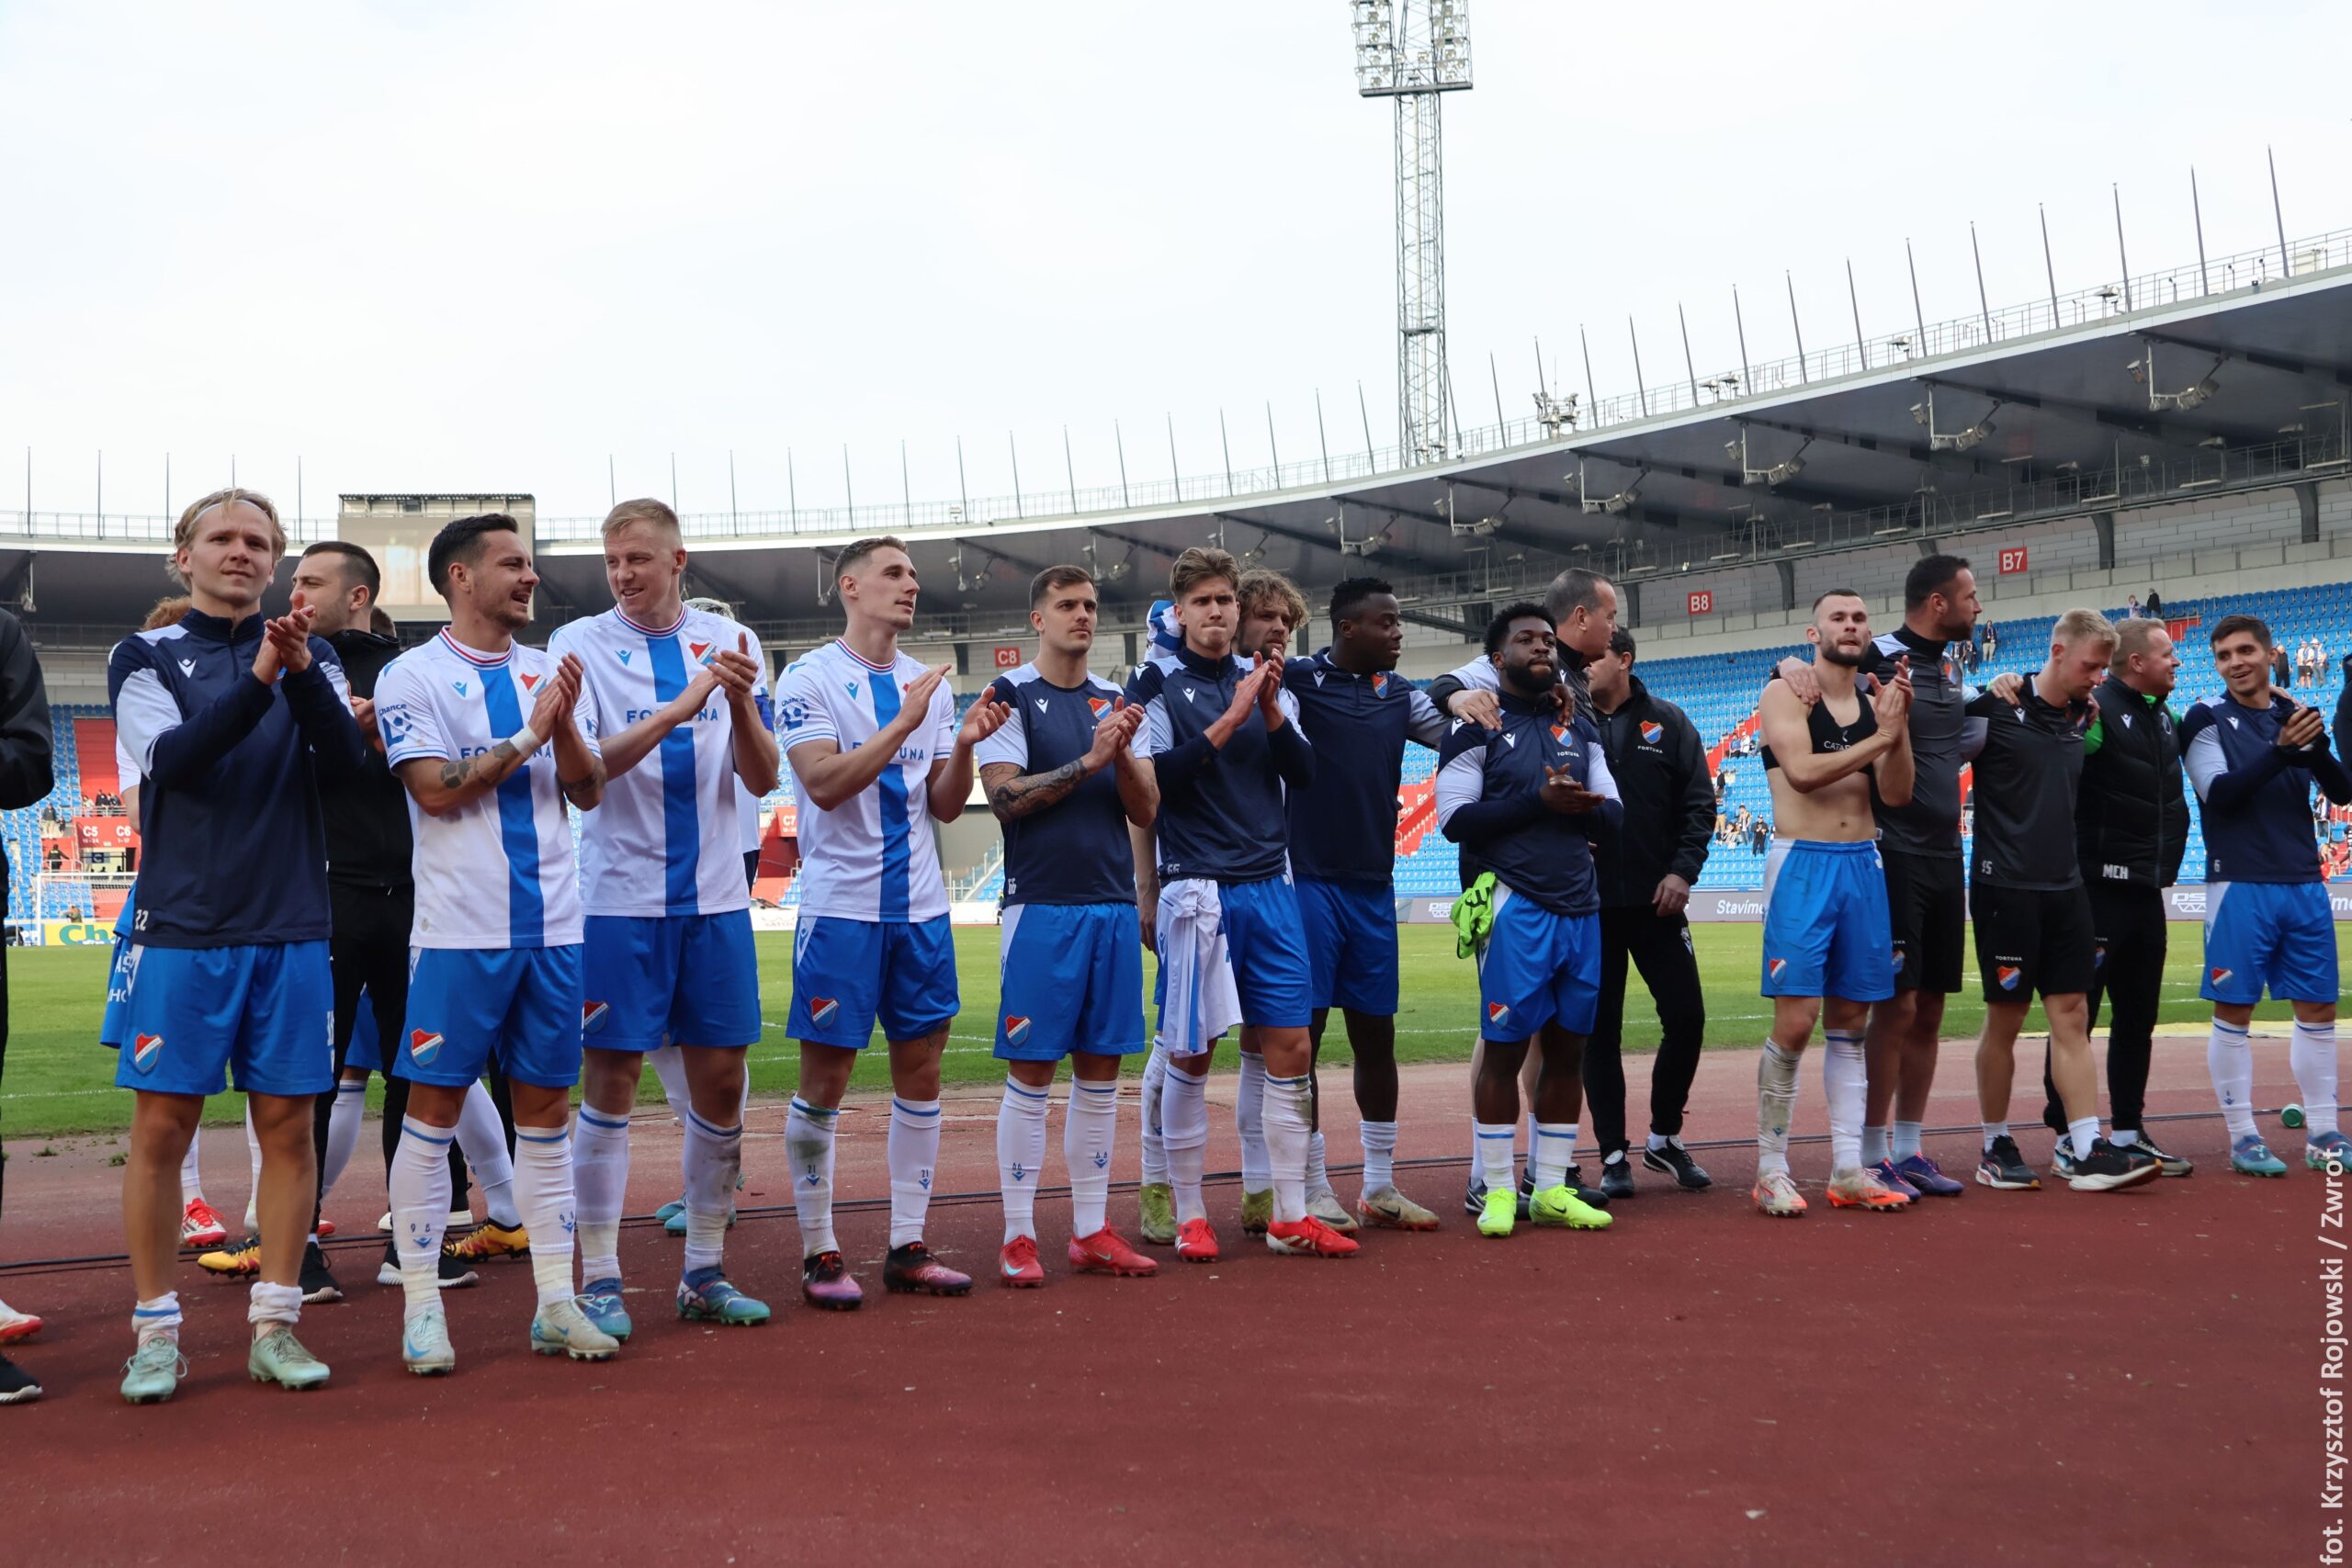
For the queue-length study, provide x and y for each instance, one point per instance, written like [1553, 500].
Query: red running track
[2047, 1377]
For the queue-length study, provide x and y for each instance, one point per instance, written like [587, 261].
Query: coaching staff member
[1646, 873]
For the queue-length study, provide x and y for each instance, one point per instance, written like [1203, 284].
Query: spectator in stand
[2131, 608]
[49, 814]
[1992, 641]
[2319, 662]
[56, 859]
[2282, 672]
[2156, 606]
[1759, 834]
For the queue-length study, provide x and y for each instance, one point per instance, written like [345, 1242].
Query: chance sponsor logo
[822, 1010]
[424, 1045]
[145, 1050]
[592, 1016]
[1016, 1029]
[1652, 731]
[2007, 974]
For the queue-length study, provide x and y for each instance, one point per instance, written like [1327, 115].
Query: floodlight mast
[1413, 50]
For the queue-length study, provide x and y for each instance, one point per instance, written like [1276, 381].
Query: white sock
[343, 1134]
[1020, 1151]
[1847, 1081]
[1318, 1178]
[1659, 1140]
[543, 1189]
[1287, 1135]
[157, 1314]
[809, 1145]
[1906, 1140]
[1379, 1139]
[600, 1171]
[1776, 1106]
[1874, 1141]
[669, 1065]
[1155, 1153]
[268, 1305]
[482, 1138]
[1090, 1133]
[2081, 1133]
[2229, 1057]
[420, 1184]
[252, 1187]
[1530, 1137]
[1184, 1133]
[714, 1154]
[913, 1152]
[2310, 1052]
[191, 1178]
[1249, 1121]
[1497, 1143]
[1553, 1151]
[2124, 1137]
[1993, 1129]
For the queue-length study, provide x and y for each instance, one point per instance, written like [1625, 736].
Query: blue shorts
[1826, 931]
[366, 1052]
[2280, 934]
[517, 1006]
[1537, 967]
[192, 1011]
[670, 979]
[1265, 941]
[1350, 945]
[847, 975]
[118, 971]
[1072, 980]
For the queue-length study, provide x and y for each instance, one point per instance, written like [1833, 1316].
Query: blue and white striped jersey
[498, 872]
[875, 857]
[669, 838]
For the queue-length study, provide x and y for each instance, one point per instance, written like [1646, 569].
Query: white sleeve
[2203, 761]
[1153, 736]
[1010, 741]
[1603, 783]
[1288, 703]
[1462, 782]
[763, 698]
[1422, 721]
[583, 714]
[144, 712]
[1478, 676]
[405, 717]
[800, 712]
[944, 722]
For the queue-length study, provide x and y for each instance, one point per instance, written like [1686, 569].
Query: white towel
[1202, 1001]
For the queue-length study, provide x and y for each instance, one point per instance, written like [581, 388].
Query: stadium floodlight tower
[1414, 52]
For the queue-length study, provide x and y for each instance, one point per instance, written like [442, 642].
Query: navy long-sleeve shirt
[1343, 825]
[232, 846]
[2256, 795]
[1221, 811]
[1490, 798]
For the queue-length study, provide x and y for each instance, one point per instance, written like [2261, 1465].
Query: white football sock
[2310, 1052]
[1184, 1133]
[1497, 1148]
[809, 1145]
[191, 1178]
[714, 1154]
[2081, 1133]
[1089, 1134]
[1776, 1106]
[1379, 1139]
[1287, 1135]
[913, 1152]
[267, 1305]
[157, 1314]
[1318, 1180]
[2229, 1057]
[1905, 1141]
[1993, 1129]
[1250, 1122]
[1155, 1153]
[669, 1065]
[1874, 1142]
[1020, 1151]
[543, 1190]
[252, 1187]
[1554, 1150]
[600, 1170]
[420, 1190]
[342, 1134]
[482, 1138]
[1847, 1081]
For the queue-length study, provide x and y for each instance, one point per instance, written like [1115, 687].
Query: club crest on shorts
[2220, 976]
[1772, 966]
[1652, 731]
[145, 1050]
[1016, 1031]
[1496, 1012]
[822, 1010]
[592, 1016]
[2007, 974]
[424, 1045]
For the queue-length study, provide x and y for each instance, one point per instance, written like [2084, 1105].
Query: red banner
[1008, 658]
[2012, 559]
[1702, 602]
[105, 832]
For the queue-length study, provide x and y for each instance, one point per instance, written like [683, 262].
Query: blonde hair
[2081, 625]
[1256, 587]
[168, 612]
[1198, 565]
[2132, 636]
[643, 510]
[184, 532]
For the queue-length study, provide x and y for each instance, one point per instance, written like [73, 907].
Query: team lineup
[1229, 807]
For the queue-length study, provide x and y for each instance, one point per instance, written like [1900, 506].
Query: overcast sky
[473, 247]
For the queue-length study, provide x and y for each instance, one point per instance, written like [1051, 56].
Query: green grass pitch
[59, 1082]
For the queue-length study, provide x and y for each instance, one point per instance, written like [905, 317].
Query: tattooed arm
[442, 787]
[1014, 794]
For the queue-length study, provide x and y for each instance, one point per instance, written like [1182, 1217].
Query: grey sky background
[459, 246]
